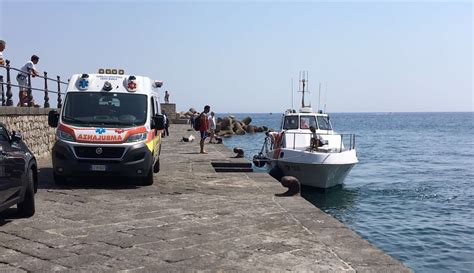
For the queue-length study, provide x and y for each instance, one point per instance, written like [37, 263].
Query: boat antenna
[291, 94]
[303, 80]
[326, 97]
[319, 99]
[302, 86]
[307, 85]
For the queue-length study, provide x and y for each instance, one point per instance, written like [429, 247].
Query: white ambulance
[110, 125]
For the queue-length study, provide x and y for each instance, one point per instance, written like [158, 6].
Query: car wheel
[26, 208]
[35, 179]
[148, 180]
[156, 167]
[59, 179]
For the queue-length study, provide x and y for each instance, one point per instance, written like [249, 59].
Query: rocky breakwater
[229, 126]
[187, 115]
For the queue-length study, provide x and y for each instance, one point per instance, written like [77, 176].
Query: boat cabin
[305, 121]
[296, 126]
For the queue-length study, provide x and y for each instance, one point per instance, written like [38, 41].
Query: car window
[153, 106]
[157, 106]
[4, 136]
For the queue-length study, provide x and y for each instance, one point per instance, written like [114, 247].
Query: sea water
[412, 192]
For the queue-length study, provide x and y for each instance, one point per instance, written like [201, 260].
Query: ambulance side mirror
[158, 122]
[53, 118]
[157, 84]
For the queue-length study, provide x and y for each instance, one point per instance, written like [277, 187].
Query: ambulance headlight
[137, 137]
[64, 136]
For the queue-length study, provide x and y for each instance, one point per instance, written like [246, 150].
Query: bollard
[239, 152]
[46, 97]
[293, 185]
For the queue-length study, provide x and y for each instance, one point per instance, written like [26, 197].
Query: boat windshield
[307, 121]
[105, 109]
[323, 123]
[291, 122]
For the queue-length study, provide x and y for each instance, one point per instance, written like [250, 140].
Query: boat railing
[345, 142]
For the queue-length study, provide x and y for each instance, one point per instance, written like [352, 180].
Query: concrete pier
[191, 218]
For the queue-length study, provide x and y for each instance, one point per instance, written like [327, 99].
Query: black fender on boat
[260, 160]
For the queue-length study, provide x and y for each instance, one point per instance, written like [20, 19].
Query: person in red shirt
[204, 122]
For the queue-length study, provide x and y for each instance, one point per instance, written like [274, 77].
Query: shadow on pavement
[46, 181]
[8, 215]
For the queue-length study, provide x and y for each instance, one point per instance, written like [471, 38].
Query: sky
[242, 56]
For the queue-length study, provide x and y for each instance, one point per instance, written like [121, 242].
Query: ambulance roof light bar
[113, 71]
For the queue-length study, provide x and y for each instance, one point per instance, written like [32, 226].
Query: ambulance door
[156, 134]
[159, 133]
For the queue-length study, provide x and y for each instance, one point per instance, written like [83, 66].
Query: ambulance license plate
[98, 168]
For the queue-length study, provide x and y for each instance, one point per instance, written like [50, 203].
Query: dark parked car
[18, 174]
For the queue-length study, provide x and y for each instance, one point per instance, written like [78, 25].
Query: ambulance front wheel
[148, 179]
[156, 167]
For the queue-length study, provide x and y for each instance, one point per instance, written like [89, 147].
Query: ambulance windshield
[105, 109]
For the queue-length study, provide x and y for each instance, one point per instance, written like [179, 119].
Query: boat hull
[316, 175]
[317, 170]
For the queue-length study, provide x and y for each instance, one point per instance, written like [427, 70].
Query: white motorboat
[307, 148]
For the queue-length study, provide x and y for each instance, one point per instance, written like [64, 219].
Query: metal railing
[343, 145]
[8, 99]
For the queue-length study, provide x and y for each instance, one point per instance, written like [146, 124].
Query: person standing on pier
[204, 127]
[2, 47]
[167, 97]
[22, 78]
[167, 123]
[212, 127]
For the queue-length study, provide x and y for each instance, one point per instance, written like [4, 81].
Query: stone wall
[170, 109]
[33, 125]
